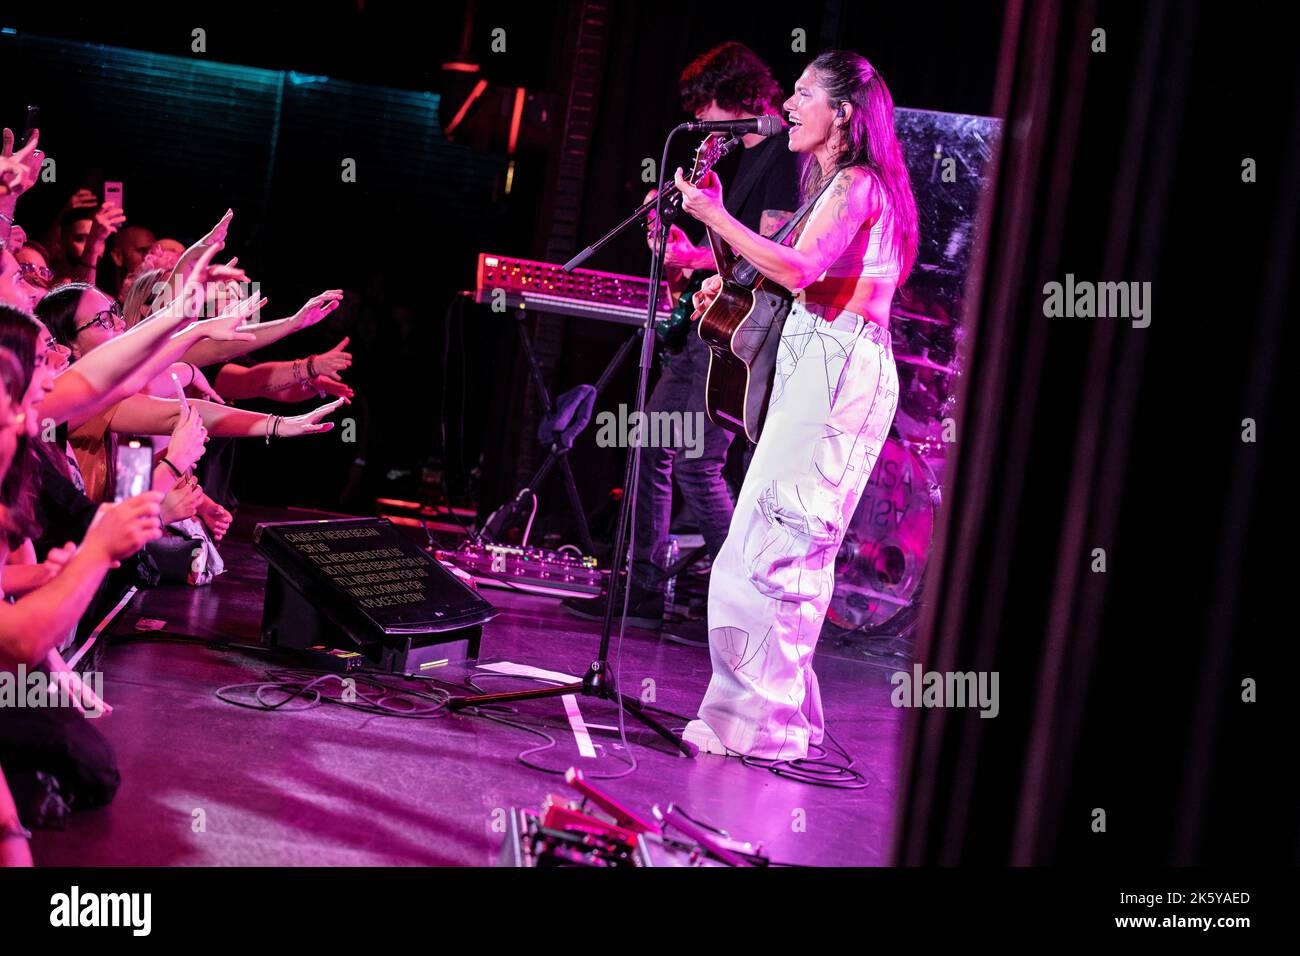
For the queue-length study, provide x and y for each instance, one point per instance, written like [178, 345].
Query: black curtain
[1121, 691]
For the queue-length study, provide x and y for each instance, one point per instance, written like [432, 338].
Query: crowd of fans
[153, 358]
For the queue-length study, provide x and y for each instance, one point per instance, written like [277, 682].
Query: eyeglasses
[108, 320]
[39, 276]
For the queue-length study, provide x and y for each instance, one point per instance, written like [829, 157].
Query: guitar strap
[744, 273]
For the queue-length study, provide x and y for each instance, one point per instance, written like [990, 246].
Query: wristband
[194, 373]
[311, 366]
[167, 461]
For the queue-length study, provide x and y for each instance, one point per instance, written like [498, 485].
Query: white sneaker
[700, 734]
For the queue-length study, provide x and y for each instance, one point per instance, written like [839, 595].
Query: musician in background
[833, 398]
[729, 82]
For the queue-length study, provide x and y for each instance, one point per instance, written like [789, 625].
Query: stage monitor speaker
[359, 584]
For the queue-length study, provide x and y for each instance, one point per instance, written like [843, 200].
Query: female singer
[834, 394]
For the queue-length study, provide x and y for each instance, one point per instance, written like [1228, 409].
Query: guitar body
[742, 328]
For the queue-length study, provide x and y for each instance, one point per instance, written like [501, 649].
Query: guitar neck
[723, 257]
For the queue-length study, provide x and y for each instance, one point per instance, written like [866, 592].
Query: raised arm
[194, 261]
[18, 173]
[294, 381]
[99, 380]
[107, 220]
[266, 333]
[31, 626]
[849, 204]
[146, 415]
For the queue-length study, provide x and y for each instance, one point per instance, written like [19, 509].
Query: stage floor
[335, 787]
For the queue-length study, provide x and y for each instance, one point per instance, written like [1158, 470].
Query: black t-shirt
[767, 177]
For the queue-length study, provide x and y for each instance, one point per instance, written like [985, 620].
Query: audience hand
[182, 501]
[71, 684]
[28, 160]
[201, 385]
[119, 531]
[188, 439]
[81, 199]
[217, 234]
[232, 325]
[229, 272]
[310, 424]
[107, 221]
[11, 176]
[331, 363]
[332, 386]
[316, 308]
[217, 518]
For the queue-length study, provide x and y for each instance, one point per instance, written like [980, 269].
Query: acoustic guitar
[742, 328]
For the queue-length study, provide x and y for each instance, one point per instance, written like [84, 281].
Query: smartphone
[133, 474]
[33, 113]
[113, 194]
[180, 395]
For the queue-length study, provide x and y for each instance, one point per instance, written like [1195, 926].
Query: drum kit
[882, 559]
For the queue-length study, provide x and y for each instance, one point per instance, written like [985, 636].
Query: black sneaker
[643, 609]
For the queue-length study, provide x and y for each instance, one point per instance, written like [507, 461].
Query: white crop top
[871, 252]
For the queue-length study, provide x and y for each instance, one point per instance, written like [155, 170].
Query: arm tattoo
[772, 220]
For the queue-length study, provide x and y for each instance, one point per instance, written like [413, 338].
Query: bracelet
[279, 420]
[311, 366]
[167, 461]
[194, 373]
[7, 219]
[268, 428]
[15, 829]
[88, 265]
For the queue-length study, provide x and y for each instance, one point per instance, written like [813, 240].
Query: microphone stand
[596, 682]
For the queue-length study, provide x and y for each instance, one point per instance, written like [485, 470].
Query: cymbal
[917, 317]
[925, 362]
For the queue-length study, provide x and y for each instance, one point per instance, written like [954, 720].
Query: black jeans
[59, 742]
[696, 458]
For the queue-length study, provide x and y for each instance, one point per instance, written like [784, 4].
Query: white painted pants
[833, 399]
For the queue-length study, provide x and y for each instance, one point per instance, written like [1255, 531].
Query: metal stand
[596, 683]
[505, 516]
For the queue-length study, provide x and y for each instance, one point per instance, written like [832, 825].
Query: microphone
[762, 125]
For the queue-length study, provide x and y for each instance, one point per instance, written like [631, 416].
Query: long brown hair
[869, 141]
[140, 293]
[18, 485]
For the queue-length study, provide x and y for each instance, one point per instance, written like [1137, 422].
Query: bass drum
[882, 559]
